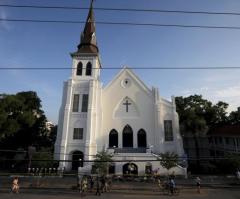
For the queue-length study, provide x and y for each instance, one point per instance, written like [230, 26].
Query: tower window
[79, 69]
[85, 103]
[168, 130]
[78, 133]
[89, 69]
[75, 102]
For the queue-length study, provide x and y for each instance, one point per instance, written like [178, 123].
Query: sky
[50, 45]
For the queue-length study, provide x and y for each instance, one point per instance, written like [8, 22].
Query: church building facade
[125, 117]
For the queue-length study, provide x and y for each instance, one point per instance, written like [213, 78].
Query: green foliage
[102, 161]
[168, 160]
[43, 159]
[197, 114]
[22, 121]
[229, 164]
[234, 117]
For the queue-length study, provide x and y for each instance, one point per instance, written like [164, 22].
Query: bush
[229, 164]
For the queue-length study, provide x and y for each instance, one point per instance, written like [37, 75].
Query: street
[230, 193]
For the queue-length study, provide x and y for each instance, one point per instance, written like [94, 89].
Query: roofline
[138, 80]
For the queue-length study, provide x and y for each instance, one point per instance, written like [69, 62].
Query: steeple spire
[88, 43]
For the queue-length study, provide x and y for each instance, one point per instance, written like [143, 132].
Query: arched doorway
[111, 169]
[77, 160]
[142, 138]
[148, 168]
[130, 169]
[127, 137]
[113, 138]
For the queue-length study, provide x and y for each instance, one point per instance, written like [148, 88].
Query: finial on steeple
[88, 41]
[91, 5]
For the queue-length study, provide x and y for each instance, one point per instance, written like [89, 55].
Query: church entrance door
[77, 160]
[130, 169]
[142, 139]
[127, 136]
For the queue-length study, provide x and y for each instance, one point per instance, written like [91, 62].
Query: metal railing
[130, 150]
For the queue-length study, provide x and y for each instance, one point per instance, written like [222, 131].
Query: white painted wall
[106, 112]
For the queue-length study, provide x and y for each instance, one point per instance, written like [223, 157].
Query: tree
[234, 117]
[22, 121]
[220, 114]
[197, 115]
[43, 159]
[230, 163]
[102, 161]
[194, 106]
[168, 160]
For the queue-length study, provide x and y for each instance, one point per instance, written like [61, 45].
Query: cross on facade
[127, 103]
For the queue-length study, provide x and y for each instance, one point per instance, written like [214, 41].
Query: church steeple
[88, 42]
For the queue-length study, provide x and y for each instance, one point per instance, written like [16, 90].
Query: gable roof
[138, 81]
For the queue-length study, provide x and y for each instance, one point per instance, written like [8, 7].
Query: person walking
[198, 182]
[103, 184]
[91, 183]
[84, 186]
[238, 174]
[159, 183]
[98, 187]
[109, 182]
[106, 187]
[172, 186]
[15, 185]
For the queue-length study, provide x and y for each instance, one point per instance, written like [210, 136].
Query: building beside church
[125, 117]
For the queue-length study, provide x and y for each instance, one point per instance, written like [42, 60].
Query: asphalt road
[59, 194]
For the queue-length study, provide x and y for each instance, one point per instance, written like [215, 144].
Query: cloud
[229, 94]
[186, 92]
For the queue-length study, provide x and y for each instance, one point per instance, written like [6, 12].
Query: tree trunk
[195, 137]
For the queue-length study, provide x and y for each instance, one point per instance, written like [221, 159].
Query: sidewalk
[69, 183]
[115, 190]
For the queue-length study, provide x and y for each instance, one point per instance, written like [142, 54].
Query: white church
[125, 117]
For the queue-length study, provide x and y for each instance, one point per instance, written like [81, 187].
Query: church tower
[79, 111]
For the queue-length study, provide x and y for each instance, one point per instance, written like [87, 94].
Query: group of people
[103, 184]
[170, 185]
[87, 183]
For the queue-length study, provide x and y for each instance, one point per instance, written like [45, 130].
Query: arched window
[113, 138]
[79, 69]
[89, 69]
[127, 136]
[142, 138]
[168, 129]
